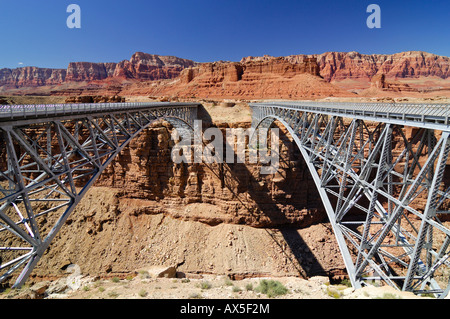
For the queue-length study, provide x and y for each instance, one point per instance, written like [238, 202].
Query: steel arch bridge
[51, 155]
[381, 172]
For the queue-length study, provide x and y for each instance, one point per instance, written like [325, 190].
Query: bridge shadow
[267, 209]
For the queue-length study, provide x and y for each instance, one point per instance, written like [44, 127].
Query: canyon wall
[141, 66]
[354, 65]
[31, 77]
[331, 66]
[250, 79]
[87, 71]
[239, 193]
[201, 218]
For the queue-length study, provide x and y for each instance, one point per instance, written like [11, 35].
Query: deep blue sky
[34, 32]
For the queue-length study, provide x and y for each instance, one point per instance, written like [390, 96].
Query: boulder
[162, 272]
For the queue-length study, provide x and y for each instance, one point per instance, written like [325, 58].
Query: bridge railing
[11, 112]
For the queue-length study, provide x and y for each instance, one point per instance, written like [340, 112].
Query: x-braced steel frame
[384, 185]
[51, 156]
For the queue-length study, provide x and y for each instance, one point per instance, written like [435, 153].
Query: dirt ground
[143, 285]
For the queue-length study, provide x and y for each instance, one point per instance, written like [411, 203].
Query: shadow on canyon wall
[306, 263]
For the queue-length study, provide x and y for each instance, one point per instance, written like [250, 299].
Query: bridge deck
[435, 116]
[12, 113]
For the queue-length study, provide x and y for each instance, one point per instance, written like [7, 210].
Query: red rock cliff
[266, 77]
[411, 64]
[266, 71]
[88, 71]
[145, 66]
[31, 76]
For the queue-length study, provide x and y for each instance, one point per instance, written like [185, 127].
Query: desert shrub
[271, 288]
[236, 289]
[228, 282]
[205, 285]
[143, 293]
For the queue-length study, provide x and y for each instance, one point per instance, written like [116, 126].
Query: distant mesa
[289, 77]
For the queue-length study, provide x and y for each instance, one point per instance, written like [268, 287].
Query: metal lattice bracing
[381, 172]
[50, 156]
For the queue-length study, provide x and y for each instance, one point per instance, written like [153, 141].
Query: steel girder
[384, 185]
[50, 156]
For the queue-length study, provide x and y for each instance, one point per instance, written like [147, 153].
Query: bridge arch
[266, 123]
[50, 162]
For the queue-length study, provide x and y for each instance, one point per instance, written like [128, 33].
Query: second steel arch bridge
[382, 173]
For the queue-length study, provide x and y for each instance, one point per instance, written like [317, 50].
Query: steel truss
[50, 156]
[380, 170]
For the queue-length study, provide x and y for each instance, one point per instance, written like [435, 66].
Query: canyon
[222, 219]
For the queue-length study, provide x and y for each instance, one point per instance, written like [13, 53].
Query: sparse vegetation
[271, 288]
[228, 282]
[144, 274]
[389, 295]
[205, 285]
[346, 282]
[113, 294]
[236, 289]
[143, 293]
[334, 293]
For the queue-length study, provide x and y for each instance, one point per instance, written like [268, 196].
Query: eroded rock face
[31, 77]
[291, 77]
[141, 66]
[215, 193]
[411, 64]
[253, 78]
[95, 99]
[88, 71]
[249, 69]
[144, 66]
[379, 82]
